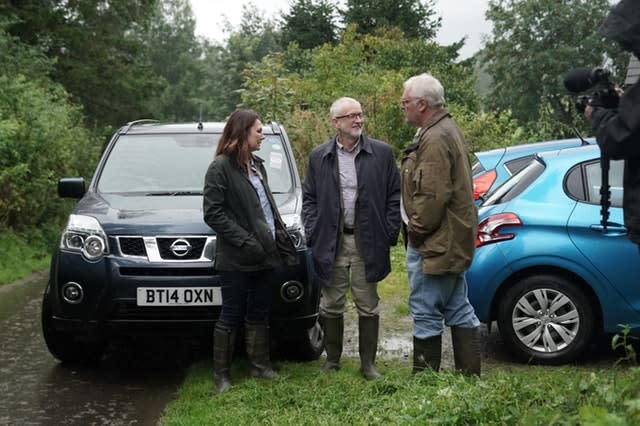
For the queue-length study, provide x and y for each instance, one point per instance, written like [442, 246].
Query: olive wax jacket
[437, 195]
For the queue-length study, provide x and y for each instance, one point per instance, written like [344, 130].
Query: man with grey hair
[440, 220]
[351, 209]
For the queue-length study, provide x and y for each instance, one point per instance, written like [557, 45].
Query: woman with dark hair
[251, 240]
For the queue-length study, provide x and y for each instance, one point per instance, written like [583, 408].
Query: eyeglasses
[353, 116]
[404, 102]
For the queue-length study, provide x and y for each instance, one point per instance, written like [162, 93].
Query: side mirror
[71, 187]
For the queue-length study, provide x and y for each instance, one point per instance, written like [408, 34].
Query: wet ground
[396, 342]
[135, 380]
[131, 385]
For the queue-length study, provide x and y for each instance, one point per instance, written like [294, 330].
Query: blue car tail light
[490, 228]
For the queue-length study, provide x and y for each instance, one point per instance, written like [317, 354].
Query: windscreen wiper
[172, 193]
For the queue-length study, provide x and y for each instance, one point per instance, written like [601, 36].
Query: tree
[41, 137]
[415, 18]
[533, 45]
[99, 54]
[309, 23]
[256, 38]
[370, 68]
[179, 58]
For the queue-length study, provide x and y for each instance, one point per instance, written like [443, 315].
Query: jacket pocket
[252, 252]
[437, 243]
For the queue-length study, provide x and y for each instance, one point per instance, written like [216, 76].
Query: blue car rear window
[516, 184]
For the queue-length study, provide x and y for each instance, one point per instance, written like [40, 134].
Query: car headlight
[295, 229]
[85, 235]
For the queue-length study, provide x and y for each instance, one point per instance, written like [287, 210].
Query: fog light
[292, 291]
[72, 293]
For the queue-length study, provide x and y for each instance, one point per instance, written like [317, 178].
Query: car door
[609, 251]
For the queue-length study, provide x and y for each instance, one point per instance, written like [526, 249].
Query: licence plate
[179, 296]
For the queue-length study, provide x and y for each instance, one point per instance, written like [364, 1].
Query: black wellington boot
[257, 341]
[368, 345]
[223, 342]
[466, 350]
[427, 353]
[333, 330]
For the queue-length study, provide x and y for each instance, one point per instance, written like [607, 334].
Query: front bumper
[109, 303]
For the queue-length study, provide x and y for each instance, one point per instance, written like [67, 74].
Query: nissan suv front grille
[169, 249]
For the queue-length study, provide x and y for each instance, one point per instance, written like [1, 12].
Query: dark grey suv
[136, 256]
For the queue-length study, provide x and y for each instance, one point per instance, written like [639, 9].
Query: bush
[26, 252]
[41, 139]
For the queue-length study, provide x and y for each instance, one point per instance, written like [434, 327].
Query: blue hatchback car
[545, 267]
[493, 167]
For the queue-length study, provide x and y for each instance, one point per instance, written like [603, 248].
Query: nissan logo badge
[180, 247]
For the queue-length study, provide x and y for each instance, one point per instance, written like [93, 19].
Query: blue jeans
[246, 296]
[434, 299]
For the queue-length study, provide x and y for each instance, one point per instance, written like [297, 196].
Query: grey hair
[338, 104]
[426, 86]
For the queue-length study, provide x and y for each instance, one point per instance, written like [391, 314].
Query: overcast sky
[460, 18]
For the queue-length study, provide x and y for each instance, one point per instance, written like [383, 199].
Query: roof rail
[275, 127]
[130, 124]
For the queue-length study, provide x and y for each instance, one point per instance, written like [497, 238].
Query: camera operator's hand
[588, 110]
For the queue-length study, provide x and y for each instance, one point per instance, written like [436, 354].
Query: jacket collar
[257, 159]
[329, 148]
[432, 121]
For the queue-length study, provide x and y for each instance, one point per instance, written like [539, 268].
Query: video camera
[581, 79]
[605, 96]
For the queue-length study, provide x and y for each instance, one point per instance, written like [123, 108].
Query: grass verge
[26, 252]
[304, 395]
[513, 395]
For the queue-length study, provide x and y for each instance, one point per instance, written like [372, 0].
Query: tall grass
[25, 252]
[304, 395]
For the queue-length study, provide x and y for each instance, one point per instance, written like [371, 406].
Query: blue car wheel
[546, 319]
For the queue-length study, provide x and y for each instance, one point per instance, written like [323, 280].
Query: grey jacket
[377, 208]
[231, 207]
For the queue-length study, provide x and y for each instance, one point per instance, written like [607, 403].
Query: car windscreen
[517, 183]
[175, 164]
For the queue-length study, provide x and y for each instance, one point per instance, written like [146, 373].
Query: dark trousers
[246, 296]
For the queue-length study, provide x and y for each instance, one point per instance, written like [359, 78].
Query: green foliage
[256, 38]
[370, 68]
[176, 56]
[488, 130]
[271, 92]
[309, 23]
[26, 252]
[304, 395]
[624, 340]
[100, 58]
[533, 45]
[41, 140]
[417, 19]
